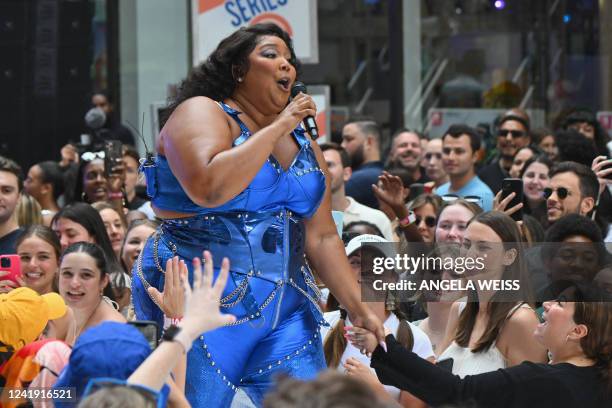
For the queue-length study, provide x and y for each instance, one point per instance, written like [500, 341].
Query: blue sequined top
[299, 189]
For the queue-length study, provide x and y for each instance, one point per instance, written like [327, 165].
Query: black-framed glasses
[562, 192]
[430, 220]
[513, 133]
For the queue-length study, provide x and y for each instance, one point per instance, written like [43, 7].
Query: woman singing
[237, 176]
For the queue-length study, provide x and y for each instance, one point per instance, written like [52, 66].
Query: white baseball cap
[374, 241]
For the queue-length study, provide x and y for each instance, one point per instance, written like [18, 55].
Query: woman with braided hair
[341, 355]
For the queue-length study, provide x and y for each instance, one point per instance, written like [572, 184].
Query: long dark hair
[85, 215]
[96, 252]
[216, 78]
[509, 233]
[78, 192]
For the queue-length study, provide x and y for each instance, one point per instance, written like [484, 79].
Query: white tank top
[465, 362]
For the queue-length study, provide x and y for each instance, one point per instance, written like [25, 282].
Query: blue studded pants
[271, 292]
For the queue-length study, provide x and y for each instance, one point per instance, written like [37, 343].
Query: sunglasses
[430, 221]
[513, 133]
[147, 393]
[562, 192]
[453, 197]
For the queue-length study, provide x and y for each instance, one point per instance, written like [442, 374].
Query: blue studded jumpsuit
[270, 290]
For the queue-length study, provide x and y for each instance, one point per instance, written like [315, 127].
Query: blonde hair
[28, 211]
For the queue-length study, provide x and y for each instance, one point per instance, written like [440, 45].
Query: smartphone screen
[609, 166]
[513, 185]
[149, 329]
[113, 151]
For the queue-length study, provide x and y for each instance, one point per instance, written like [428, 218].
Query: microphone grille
[95, 118]
[297, 88]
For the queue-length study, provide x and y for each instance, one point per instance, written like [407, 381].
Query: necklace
[88, 318]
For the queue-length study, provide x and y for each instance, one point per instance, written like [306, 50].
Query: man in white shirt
[339, 166]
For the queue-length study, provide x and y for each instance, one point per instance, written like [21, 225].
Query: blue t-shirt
[475, 187]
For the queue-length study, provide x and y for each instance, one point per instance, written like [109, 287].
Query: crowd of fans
[77, 228]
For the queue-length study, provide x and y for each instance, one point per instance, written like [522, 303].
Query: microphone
[309, 122]
[95, 118]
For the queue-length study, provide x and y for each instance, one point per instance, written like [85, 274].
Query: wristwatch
[174, 333]
[409, 219]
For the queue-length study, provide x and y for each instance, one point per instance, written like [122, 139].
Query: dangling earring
[240, 79]
[83, 197]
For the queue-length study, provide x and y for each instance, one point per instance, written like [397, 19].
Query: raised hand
[202, 302]
[500, 205]
[69, 155]
[355, 368]
[116, 179]
[390, 190]
[172, 299]
[602, 167]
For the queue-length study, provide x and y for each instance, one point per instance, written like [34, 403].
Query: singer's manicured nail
[383, 345]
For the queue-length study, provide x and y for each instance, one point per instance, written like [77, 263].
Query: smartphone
[12, 265]
[113, 152]
[446, 364]
[513, 185]
[609, 166]
[149, 329]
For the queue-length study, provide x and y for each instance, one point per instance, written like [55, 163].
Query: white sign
[213, 20]
[320, 96]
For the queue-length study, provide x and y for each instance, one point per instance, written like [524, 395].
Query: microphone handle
[311, 127]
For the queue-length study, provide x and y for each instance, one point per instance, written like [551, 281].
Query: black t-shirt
[7, 242]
